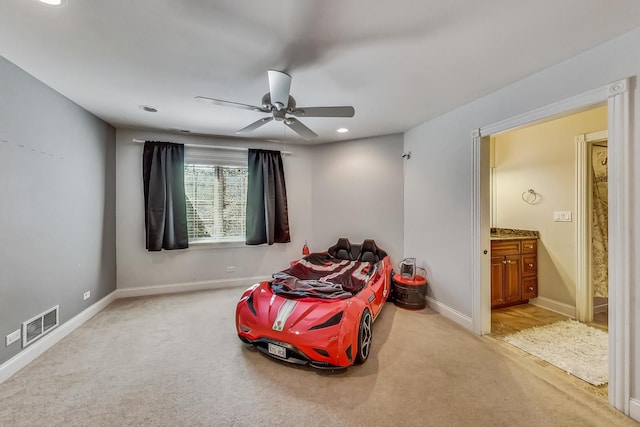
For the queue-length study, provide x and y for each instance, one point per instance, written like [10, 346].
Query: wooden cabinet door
[497, 281]
[512, 287]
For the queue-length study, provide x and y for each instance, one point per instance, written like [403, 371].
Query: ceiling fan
[282, 105]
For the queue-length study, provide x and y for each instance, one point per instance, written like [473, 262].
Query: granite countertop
[513, 234]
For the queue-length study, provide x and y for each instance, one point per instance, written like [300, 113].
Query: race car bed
[319, 311]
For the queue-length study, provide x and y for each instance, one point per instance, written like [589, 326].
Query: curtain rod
[218, 147]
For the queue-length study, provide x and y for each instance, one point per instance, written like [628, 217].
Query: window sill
[216, 245]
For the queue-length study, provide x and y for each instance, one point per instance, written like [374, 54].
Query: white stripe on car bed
[335, 265]
[283, 314]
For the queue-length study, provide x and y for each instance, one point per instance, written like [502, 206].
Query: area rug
[578, 349]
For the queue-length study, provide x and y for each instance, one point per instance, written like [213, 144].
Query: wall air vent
[39, 325]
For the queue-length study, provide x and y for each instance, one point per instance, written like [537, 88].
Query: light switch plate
[562, 216]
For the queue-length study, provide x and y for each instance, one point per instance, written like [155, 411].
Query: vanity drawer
[529, 246]
[529, 265]
[505, 247]
[529, 287]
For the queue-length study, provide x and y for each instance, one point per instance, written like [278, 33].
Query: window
[216, 196]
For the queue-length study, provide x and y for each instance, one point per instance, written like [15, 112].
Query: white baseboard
[26, 356]
[187, 287]
[555, 306]
[450, 313]
[634, 409]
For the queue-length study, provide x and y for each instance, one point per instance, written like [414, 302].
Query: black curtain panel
[165, 211]
[267, 213]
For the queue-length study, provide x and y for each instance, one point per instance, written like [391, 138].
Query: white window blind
[215, 184]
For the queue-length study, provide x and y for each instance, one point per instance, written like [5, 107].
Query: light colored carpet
[574, 347]
[175, 360]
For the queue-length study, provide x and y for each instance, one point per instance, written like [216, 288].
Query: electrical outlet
[13, 337]
[87, 295]
[231, 269]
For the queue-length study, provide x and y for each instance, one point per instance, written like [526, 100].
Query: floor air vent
[39, 325]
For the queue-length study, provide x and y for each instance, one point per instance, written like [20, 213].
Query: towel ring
[530, 196]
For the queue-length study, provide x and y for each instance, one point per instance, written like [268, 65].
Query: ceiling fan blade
[300, 129]
[255, 125]
[345, 111]
[228, 104]
[279, 88]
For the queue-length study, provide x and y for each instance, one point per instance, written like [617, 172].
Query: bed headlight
[332, 321]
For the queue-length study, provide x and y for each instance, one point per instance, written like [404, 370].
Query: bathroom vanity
[514, 266]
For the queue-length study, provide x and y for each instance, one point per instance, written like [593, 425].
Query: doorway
[599, 232]
[534, 193]
[617, 97]
[534, 179]
[593, 228]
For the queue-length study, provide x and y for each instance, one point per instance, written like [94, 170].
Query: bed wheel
[365, 337]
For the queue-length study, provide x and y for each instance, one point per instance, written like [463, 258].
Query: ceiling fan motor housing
[279, 103]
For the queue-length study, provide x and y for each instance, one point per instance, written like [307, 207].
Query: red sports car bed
[320, 310]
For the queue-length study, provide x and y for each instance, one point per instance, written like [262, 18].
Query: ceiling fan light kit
[281, 105]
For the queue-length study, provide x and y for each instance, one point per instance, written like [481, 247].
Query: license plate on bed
[277, 350]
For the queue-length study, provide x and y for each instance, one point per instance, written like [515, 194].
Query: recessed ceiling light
[342, 130]
[148, 108]
[52, 2]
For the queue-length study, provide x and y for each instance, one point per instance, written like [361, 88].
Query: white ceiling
[399, 63]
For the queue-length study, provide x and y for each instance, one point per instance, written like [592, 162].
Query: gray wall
[357, 193]
[57, 204]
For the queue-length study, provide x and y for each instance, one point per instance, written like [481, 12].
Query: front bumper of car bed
[289, 353]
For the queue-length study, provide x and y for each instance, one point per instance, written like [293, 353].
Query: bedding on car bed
[320, 275]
